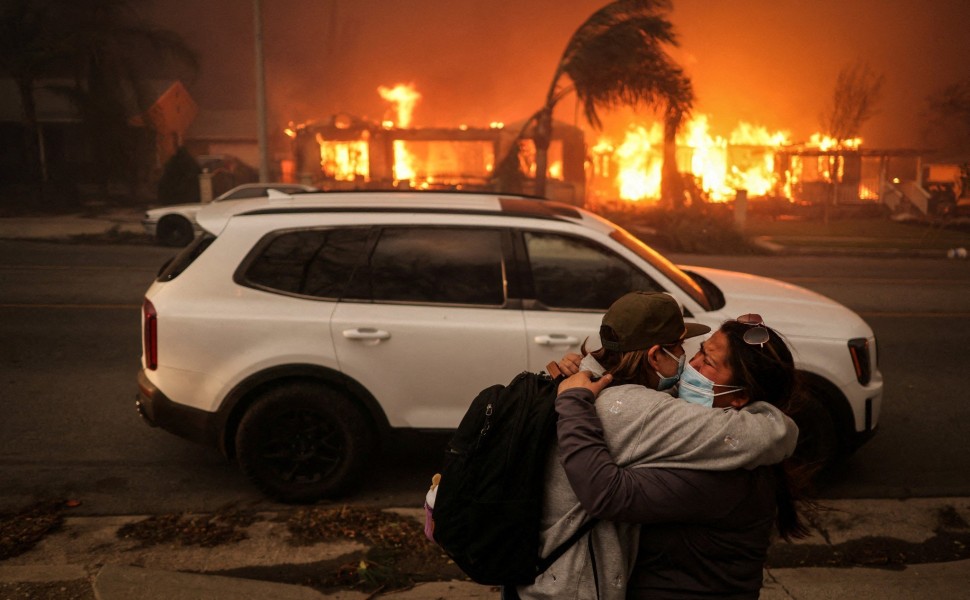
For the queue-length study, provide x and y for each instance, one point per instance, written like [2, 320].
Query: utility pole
[260, 94]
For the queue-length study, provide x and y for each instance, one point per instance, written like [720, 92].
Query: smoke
[766, 62]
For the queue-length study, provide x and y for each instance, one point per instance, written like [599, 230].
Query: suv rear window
[181, 261]
[313, 262]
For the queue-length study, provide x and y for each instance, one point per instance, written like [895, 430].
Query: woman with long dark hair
[642, 424]
[704, 533]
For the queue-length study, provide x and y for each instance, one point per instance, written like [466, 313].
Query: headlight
[859, 351]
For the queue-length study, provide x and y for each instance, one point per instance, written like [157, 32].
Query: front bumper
[150, 226]
[184, 421]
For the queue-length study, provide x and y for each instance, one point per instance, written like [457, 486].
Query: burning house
[753, 161]
[347, 152]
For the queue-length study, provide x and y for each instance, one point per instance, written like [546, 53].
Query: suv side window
[447, 265]
[315, 262]
[570, 272]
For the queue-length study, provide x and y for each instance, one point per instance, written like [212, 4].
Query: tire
[818, 439]
[302, 442]
[174, 230]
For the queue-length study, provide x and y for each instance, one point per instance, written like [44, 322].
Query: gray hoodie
[646, 427]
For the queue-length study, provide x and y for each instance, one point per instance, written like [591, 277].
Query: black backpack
[489, 501]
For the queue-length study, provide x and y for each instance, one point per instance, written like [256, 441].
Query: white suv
[298, 330]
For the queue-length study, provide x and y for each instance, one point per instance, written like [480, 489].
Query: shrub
[701, 228]
[180, 179]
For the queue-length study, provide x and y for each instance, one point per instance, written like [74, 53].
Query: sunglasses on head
[757, 334]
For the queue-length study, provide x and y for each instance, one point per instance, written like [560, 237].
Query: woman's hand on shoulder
[585, 380]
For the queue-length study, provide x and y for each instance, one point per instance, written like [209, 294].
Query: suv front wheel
[302, 441]
[818, 439]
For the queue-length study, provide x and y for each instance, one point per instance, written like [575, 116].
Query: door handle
[367, 334]
[556, 339]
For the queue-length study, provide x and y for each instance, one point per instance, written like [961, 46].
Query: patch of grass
[859, 233]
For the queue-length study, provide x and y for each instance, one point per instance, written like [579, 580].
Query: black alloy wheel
[303, 442]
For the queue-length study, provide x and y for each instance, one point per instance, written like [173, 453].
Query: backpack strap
[545, 563]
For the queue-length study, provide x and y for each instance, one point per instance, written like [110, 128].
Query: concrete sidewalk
[895, 538]
[65, 227]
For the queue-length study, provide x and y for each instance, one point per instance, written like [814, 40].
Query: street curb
[770, 245]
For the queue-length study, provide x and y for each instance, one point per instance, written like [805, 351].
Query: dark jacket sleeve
[637, 494]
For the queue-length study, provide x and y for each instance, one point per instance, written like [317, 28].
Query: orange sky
[769, 62]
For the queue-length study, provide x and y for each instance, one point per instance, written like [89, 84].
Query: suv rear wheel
[302, 442]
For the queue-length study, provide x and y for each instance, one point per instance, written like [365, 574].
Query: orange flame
[404, 98]
[344, 161]
[629, 170]
[719, 166]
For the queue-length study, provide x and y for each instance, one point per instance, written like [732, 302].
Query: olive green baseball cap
[640, 320]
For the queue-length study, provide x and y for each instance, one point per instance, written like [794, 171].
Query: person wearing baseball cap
[641, 336]
[636, 422]
[645, 329]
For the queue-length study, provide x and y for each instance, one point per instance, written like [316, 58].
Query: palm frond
[618, 57]
[625, 65]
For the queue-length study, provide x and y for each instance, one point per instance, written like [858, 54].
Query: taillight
[859, 351]
[150, 334]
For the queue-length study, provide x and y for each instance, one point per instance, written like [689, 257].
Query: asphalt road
[69, 352]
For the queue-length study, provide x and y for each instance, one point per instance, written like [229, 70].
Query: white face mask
[668, 382]
[698, 389]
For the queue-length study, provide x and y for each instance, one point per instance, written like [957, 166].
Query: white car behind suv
[175, 225]
[296, 331]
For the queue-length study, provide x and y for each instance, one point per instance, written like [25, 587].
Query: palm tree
[615, 58]
[100, 45]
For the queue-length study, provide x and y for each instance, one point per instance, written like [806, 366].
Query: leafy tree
[105, 49]
[616, 57]
[855, 100]
[948, 119]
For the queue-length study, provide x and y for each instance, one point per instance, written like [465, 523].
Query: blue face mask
[668, 382]
[698, 389]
